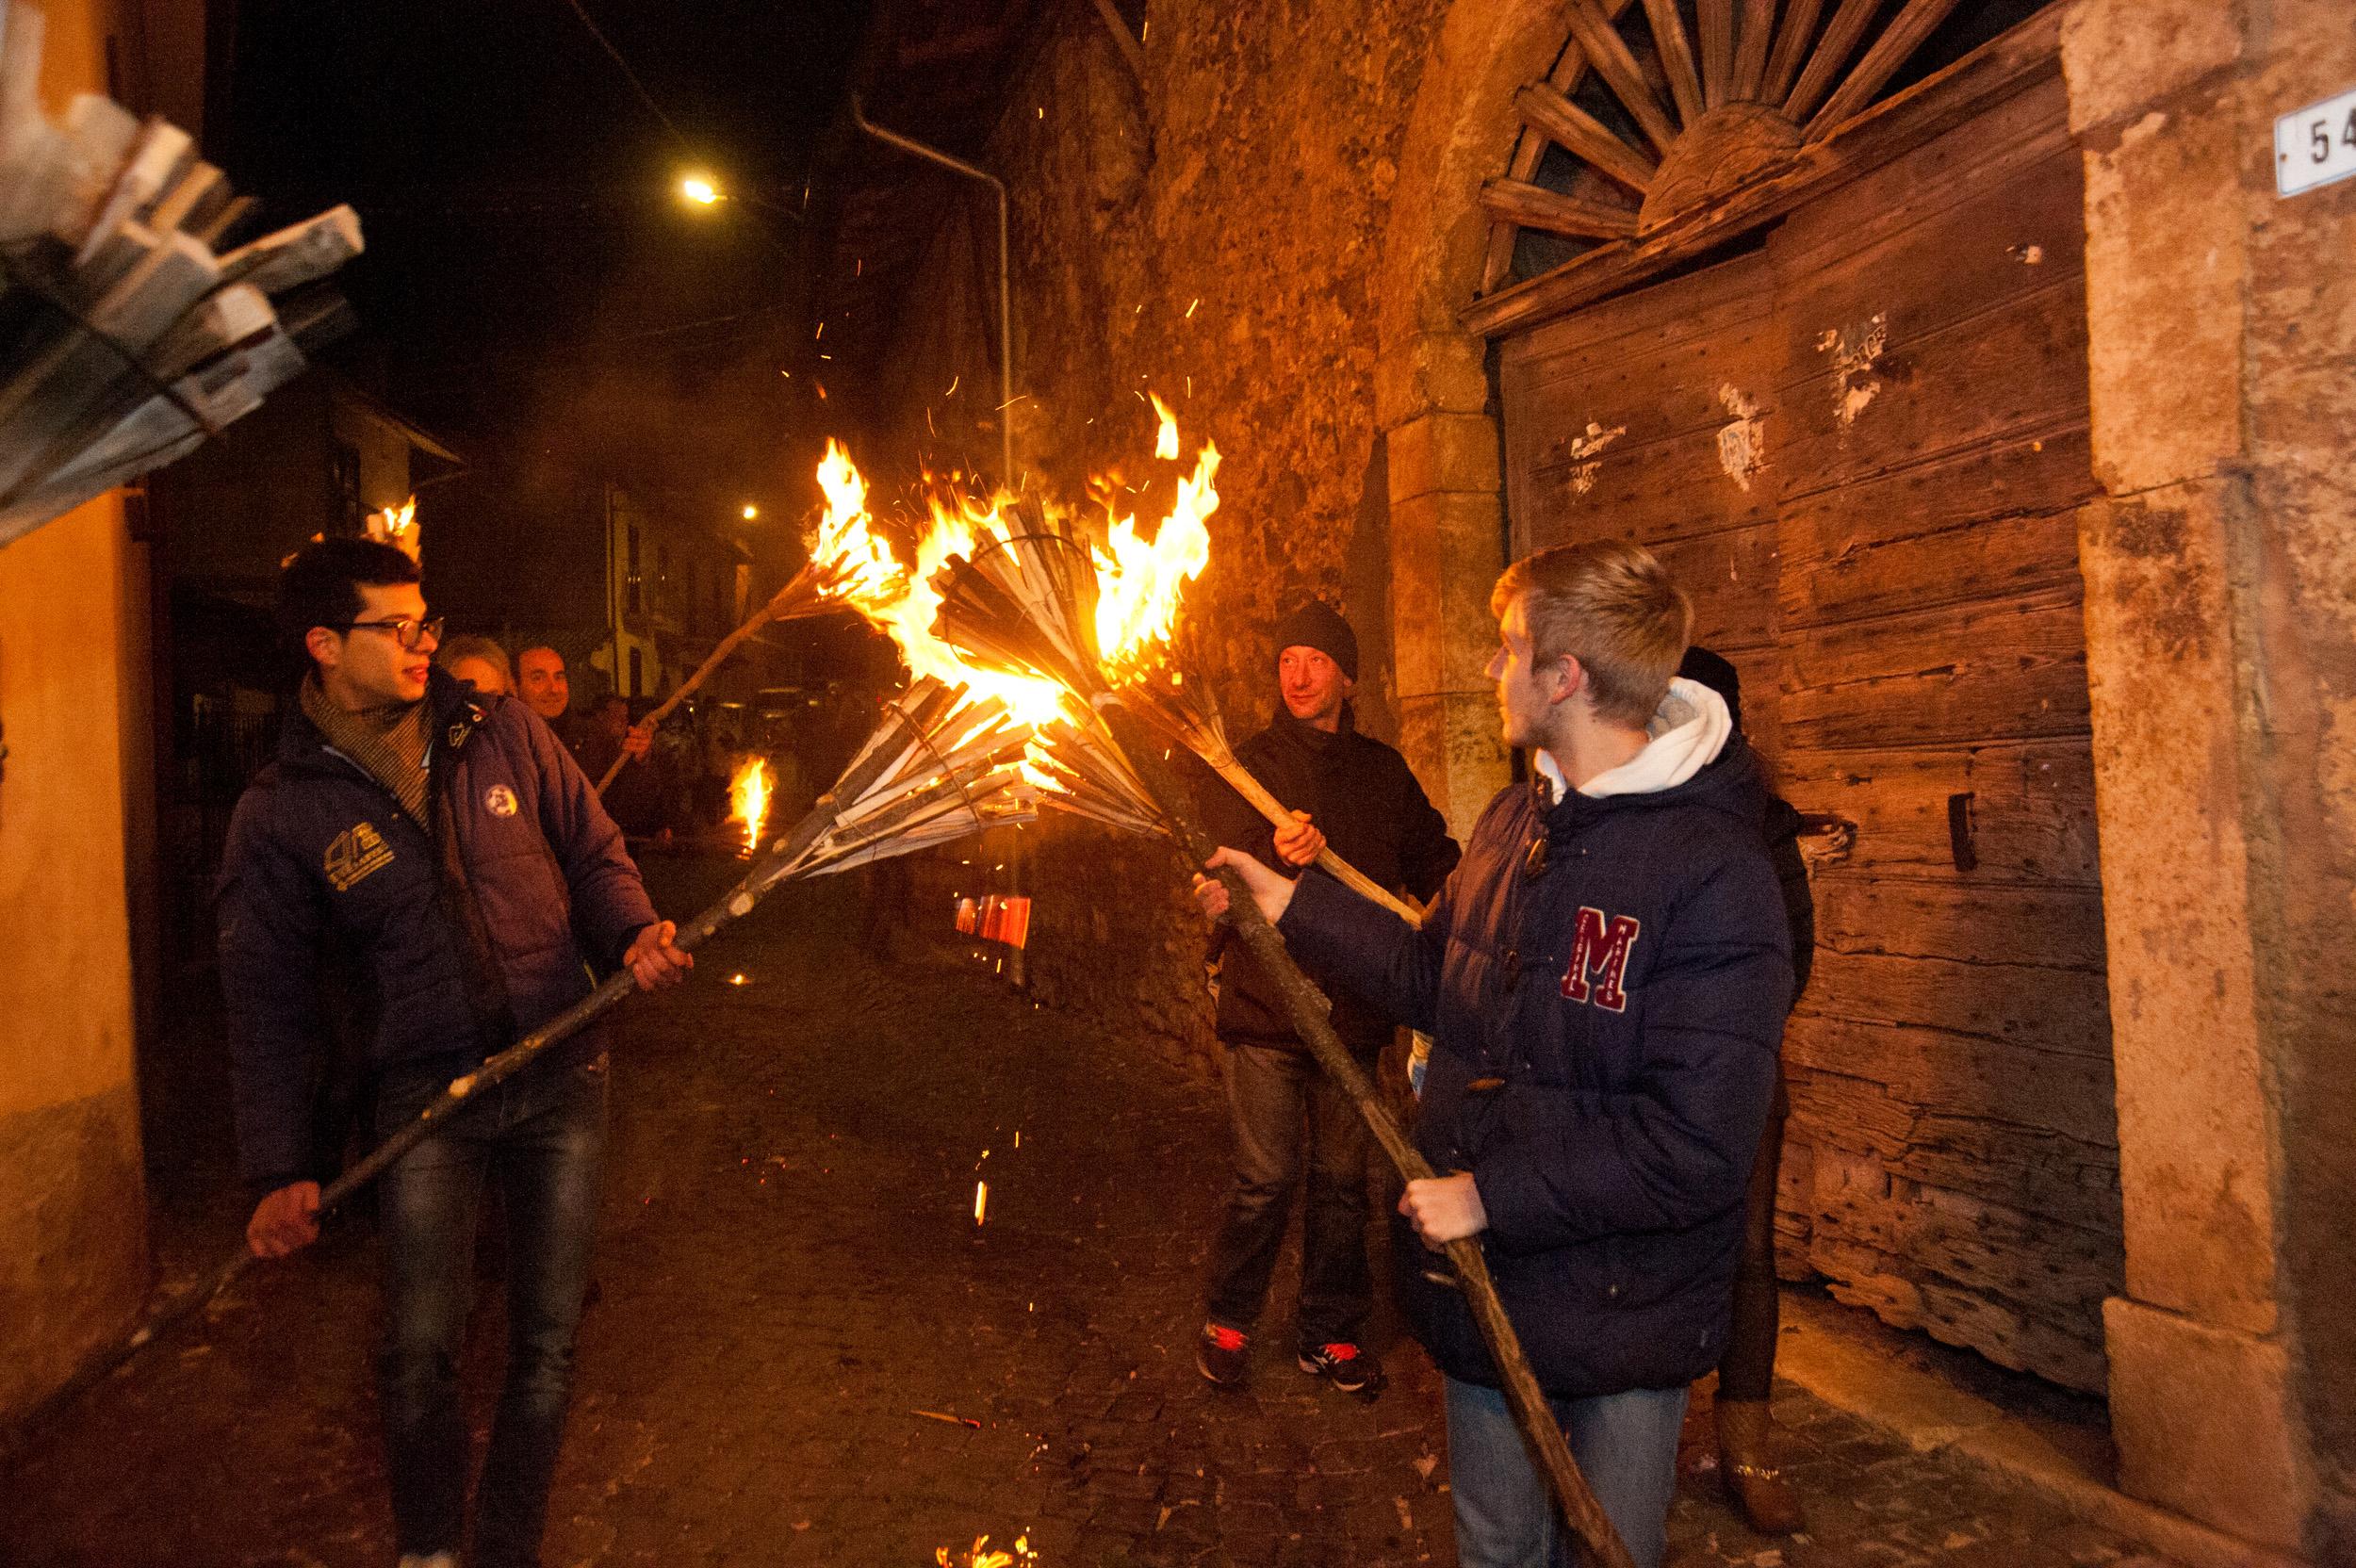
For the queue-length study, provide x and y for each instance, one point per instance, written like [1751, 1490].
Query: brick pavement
[791, 1276]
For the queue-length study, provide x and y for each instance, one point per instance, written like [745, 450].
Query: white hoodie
[1685, 735]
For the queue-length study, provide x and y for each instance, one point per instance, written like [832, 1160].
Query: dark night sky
[531, 283]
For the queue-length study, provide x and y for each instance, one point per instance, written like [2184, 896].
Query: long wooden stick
[802, 597]
[1256, 795]
[1312, 1022]
[766, 874]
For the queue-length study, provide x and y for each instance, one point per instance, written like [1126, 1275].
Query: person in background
[1353, 791]
[480, 660]
[1746, 1373]
[640, 796]
[541, 681]
[1605, 978]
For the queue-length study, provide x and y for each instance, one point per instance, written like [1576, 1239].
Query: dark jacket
[1606, 1098]
[1362, 796]
[447, 941]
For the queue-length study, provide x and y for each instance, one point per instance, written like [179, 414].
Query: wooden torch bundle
[126, 338]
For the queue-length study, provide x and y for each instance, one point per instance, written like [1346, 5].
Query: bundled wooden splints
[125, 336]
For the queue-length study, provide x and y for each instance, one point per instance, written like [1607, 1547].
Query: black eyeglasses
[407, 633]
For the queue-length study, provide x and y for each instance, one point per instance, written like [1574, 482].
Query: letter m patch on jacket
[1599, 950]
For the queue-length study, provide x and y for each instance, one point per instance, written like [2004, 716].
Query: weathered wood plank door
[1861, 448]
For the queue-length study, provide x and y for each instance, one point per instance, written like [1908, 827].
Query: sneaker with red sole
[1223, 1354]
[1349, 1367]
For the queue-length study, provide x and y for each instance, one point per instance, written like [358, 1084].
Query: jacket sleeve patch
[1600, 950]
[357, 853]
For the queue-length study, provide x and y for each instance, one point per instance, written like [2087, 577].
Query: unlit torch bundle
[937, 767]
[126, 338]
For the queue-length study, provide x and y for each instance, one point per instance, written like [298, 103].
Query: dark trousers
[1287, 1114]
[542, 1137]
[1747, 1370]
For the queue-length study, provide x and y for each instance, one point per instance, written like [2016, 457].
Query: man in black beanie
[1356, 793]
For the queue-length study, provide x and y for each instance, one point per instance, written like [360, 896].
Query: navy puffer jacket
[1605, 1034]
[439, 947]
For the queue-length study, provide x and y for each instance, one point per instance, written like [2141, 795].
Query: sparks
[1166, 439]
[981, 1200]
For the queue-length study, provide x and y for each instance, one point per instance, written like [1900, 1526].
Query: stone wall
[72, 1211]
[2220, 604]
[74, 1262]
[1210, 232]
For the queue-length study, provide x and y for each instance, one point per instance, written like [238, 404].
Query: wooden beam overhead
[1832, 52]
[1607, 52]
[1750, 58]
[1583, 136]
[1714, 21]
[1792, 39]
[1900, 40]
[1677, 58]
[1535, 207]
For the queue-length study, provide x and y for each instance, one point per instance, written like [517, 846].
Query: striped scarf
[389, 742]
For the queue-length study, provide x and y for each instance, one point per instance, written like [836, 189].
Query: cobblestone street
[805, 1351]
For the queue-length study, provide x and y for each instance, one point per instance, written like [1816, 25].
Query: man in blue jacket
[424, 874]
[1605, 976]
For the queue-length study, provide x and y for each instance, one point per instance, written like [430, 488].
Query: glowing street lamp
[699, 189]
[751, 511]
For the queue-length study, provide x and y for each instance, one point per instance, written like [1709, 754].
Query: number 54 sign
[2316, 145]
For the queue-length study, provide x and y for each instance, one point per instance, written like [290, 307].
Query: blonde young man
[1605, 978]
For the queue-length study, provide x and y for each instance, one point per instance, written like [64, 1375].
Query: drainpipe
[1005, 330]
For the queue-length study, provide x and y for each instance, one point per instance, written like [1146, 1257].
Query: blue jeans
[1626, 1444]
[542, 1135]
[1283, 1107]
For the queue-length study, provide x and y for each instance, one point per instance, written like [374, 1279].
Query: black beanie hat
[1319, 626]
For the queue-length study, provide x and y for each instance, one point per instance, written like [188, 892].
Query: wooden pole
[781, 607]
[1256, 795]
[757, 883]
[1310, 1011]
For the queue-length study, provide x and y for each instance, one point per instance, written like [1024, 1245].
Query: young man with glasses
[1605, 976]
[424, 874]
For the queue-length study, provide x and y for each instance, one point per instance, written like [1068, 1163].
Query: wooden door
[1861, 448]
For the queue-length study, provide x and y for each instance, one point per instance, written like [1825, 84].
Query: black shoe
[1223, 1354]
[1349, 1367]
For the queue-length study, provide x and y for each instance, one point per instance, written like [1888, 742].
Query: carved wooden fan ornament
[1753, 84]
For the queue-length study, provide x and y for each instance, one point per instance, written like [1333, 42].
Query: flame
[845, 544]
[1139, 583]
[978, 1556]
[397, 526]
[748, 800]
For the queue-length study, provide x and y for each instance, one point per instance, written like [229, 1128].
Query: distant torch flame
[979, 1556]
[397, 526]
[748, 800]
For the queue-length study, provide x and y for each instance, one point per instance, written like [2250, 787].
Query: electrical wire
[645, 97]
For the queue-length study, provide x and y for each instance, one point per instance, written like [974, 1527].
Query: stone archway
[1432, 401]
